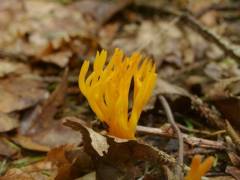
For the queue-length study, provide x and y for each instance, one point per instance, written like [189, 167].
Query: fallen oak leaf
[98, 142]
[57, 135]
[119, 156]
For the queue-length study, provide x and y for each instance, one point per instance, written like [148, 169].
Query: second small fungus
[198, 169]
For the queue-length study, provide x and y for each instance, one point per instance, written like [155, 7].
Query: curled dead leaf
[20, 93]
[116, 157]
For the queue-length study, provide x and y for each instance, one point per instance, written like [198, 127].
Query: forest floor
[47, 125]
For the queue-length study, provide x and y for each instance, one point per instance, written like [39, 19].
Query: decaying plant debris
[175, 74]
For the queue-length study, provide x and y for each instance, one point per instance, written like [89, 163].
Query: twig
[193, 141]
[178, 132]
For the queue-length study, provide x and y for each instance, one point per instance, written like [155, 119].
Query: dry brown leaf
[57, 135]
[7, 123]
[115, 157]
[18, 93]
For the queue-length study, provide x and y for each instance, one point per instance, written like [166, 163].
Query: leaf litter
[48, 130]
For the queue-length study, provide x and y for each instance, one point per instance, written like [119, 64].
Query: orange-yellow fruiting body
[107, 89]
[198, 169]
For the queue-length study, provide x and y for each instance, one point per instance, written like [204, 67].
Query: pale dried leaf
[28, 143]
[57, 135]
[7, 123]
[20, 93]
[7, 67]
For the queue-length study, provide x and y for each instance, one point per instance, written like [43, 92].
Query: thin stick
[192, 141]
[178, 132]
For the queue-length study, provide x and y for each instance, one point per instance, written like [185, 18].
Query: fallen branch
[193, 141]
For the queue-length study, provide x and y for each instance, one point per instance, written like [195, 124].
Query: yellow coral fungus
[107, 89]
[198, 169]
